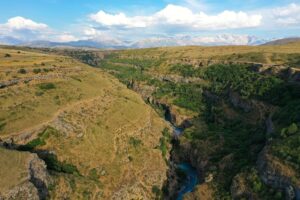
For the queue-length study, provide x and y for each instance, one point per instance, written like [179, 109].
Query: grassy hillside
[283, 54]
[14, 169]
[283, 41]
[98, 142]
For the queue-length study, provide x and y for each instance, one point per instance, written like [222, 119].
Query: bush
[39, 93]
[163, 146]
[53, 164]
[93, 174]
[135, 142]
[292, 129]
[22, 71]
[37, 70]
[7, 55]
[47, 86]
[2, 125]
[32, 144]
[157, 191]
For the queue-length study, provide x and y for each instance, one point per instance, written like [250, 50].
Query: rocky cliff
[23, 176]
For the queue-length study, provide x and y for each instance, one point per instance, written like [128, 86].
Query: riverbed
[191, 175]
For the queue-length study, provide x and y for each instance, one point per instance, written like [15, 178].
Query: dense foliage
[187, 70]
[239, 78]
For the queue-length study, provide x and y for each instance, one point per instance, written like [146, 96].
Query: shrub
[157, 191]
[292, 129]
[7, 55]
[53, 164]
[2, 125]
[135, 142]
[22, 71]
[163, 146]
[130, 158]
[47, 86]
[37, 70]
[39, 93]
[32, 144]
[93, 174]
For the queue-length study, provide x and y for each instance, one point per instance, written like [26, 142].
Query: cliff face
[278, 175]
[23, 176]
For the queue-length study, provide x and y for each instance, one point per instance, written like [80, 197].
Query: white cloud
[173, 15]
[119, 20]
[24, 29]
[27, 30]
[19, 23]
[287, 15]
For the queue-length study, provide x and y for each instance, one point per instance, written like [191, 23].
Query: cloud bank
[28, 30]
[287, 15]
[173, 15]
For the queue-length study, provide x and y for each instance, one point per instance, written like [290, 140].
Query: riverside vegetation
[238, 108]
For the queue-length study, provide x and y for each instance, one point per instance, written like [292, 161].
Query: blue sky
[63, 20]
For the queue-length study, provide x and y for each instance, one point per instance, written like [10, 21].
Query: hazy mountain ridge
[161, 41]
[283, 41]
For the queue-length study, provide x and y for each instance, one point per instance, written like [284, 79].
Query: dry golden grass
[95, 117]
[14, 169]
[267, 54]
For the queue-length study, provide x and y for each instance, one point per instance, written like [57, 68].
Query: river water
[191, 175]
[190, 181]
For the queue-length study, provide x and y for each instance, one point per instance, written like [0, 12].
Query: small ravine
[191, 175]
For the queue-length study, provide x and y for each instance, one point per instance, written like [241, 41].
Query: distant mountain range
[224, 39]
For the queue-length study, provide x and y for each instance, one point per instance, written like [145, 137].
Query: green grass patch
[2, 125]
[135, 142]
[40, 141]
[164, 141]
[47, 86]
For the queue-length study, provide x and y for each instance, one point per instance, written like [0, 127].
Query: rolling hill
[283, 41]
[82, 123]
